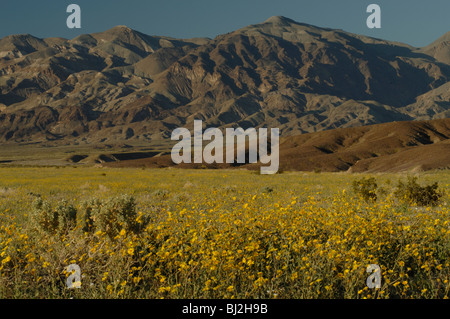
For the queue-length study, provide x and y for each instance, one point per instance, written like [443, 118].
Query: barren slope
[390, 147]
[122, 85]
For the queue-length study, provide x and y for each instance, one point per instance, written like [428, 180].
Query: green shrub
[267, 190]
[53, 220]
[111, 216]
[85, 216]
[412, 193]
[162, 193]
[67, 217]
[366, 188]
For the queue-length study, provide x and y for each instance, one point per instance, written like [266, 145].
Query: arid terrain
[114, 97]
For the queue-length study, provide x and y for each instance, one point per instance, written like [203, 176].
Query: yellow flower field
[217, 234]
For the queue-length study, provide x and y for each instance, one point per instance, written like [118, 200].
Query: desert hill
[389, 147]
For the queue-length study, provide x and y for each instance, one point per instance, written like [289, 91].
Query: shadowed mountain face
[124, 85]
[439, 49]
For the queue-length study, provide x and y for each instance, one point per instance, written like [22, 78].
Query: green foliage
[412, 193]
[53, 220]
[67, 217]
[366, 188]
[267, 189]
[162, 193]
[85, 216]
[43, 216]
[109, 216]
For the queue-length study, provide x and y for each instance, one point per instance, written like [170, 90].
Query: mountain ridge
[122, 85]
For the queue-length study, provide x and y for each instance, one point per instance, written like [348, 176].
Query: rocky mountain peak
[280, 20]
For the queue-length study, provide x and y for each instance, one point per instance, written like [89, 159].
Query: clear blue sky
[416, 22]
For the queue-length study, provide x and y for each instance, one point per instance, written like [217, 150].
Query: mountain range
[123, 85]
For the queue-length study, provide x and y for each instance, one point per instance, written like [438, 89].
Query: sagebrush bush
[162, 193]
[267, 189]
[53, 220]
[67, 217]
[43, 216]
[84, 217]
[109, 216]
[366, 188]
[412, 193]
